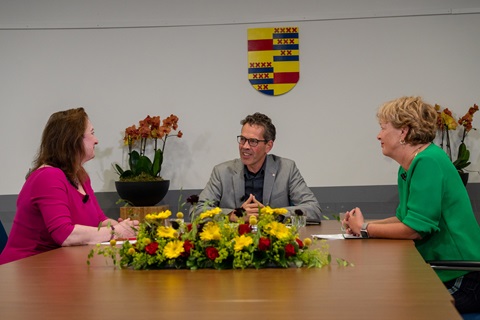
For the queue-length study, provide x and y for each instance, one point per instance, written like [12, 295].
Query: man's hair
[259, 119]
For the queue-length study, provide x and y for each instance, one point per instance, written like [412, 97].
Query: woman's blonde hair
[413, 113]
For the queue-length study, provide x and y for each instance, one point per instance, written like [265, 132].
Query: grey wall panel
[375, 201]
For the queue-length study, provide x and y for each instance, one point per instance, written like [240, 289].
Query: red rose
[289, 250]
[187, 246]
[244, 228]
[151, 248]
[263, 244]
[212, 253]
[300, 243]
[189, 227]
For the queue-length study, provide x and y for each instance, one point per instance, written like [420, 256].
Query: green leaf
[462, 157]
[126, 174]
[133, 159]
[157, 162]
[144, 164]
[460, 164]
[344, 263]
[463, 152]
[118, 169]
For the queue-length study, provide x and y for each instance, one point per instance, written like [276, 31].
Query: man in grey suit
[258, 179]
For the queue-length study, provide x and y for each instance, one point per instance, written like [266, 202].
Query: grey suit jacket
[283, 187]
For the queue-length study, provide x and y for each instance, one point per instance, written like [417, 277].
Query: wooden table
[390, 280]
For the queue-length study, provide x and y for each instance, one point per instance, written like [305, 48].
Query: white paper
[335, 236]
[107, 243]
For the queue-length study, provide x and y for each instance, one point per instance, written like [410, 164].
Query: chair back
[455, 265]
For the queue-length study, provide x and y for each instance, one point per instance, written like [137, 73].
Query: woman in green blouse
[434, 208]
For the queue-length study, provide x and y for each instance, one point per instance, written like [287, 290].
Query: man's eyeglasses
[252, 141]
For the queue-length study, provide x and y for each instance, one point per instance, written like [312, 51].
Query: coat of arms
[273, 59]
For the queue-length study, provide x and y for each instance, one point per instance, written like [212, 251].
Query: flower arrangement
[141, 168]
[212, 241]
[446, 123]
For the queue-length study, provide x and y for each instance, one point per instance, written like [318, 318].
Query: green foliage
[344, 263]
[141, 168]
[108, 251]
[463, 157]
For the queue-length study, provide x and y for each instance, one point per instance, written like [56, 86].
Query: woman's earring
[402, 141]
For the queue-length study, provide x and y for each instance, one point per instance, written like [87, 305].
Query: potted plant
[446, 123]
[141, 183]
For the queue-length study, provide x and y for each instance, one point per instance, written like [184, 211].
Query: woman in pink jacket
[57, 206]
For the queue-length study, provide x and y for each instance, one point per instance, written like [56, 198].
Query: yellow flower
[211, 231]
[449, 121]
[266, 210]
[180, 215]
[131, 251]
[158, 216]
[210, 213]
[147, 241]
[280, 211]
[269, 210]
[277, 229]
[242, 242]
[113, 242]
[166, 232]
[252, 220]
[307, 241]
[164, 214]
[173, 249]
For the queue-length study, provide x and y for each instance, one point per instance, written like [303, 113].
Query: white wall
[194, 63]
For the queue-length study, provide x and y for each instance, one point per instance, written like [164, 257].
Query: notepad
[339, 236]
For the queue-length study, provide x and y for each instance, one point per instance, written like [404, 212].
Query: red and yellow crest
[273, 59]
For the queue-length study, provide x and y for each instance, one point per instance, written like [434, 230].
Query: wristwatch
[364, 231]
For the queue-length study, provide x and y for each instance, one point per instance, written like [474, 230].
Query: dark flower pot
[464, 176]
[142, 194]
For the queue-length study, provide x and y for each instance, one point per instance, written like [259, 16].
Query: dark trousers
[466, 292]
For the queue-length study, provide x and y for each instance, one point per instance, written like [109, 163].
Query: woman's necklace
[417, 151]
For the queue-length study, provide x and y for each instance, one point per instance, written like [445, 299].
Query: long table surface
[390, 280]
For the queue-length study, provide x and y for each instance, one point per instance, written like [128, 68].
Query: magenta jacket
[48, 207]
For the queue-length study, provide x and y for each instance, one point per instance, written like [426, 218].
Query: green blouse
[435, 203]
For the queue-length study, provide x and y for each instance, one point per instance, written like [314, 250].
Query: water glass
[299, 222]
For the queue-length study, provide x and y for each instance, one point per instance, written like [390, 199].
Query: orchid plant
[141, 167]
[446, 123]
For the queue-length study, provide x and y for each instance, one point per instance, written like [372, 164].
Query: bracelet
[113, 232]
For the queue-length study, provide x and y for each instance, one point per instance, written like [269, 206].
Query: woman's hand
[126, 229]
[353, 221]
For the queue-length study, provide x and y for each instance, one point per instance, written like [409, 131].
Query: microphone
[85, 198]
